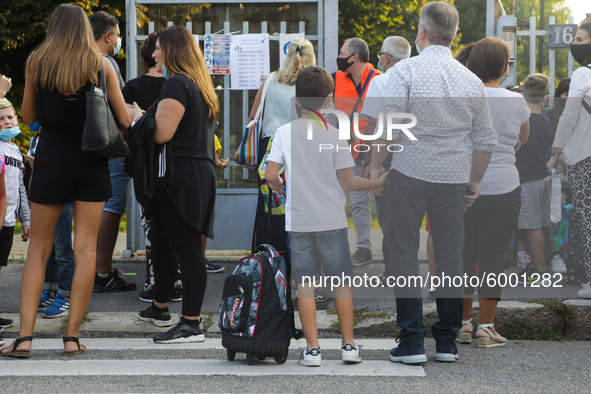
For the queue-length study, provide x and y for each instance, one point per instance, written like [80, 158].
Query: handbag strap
[585, 105]
[259, 113]
[101, 75]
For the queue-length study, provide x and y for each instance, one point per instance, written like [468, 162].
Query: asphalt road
[521, 366]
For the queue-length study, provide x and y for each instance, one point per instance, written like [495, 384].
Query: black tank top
[61, 116]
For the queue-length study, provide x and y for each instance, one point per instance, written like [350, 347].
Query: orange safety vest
[347, 98]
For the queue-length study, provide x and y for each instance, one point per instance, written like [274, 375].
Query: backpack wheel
[250, 358]
[230, 354]
[280, 359]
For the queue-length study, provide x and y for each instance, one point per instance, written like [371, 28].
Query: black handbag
[101, 134]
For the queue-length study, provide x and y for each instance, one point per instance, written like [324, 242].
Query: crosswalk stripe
[210, 343]
[191, 367]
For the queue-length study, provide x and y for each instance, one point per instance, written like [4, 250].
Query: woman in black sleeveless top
[185, 113]
[58, 74]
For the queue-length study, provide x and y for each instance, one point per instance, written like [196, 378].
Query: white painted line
[210, 343]
[190, 367]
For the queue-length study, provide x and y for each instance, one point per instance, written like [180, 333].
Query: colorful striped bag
[248, 151]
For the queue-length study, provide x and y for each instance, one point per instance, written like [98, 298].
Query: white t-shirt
[315, 199]
[508, 111]
[375, 96]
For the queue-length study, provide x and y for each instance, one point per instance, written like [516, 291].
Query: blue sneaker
[46, 300]
[59, 307]
[408, 354]
[446, 352]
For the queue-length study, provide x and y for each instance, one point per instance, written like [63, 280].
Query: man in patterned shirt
[432, 175]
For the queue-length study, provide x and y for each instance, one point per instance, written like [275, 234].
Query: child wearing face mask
[17, 207]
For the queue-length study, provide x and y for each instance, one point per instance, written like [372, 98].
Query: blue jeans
[60, 266]
[119, 182]
[408, 200]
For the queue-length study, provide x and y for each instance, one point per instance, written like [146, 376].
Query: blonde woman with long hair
[58, 73]
[185, 113]
[279, 109]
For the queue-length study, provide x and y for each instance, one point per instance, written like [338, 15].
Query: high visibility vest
[346, 98]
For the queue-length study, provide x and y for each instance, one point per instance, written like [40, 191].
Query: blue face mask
[118, 47]
[417, 42]
[165, 72]
[380, 67]
[503, 80]
[8, 134]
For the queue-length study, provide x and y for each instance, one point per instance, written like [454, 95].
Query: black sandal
[74, 352]
[18, 353]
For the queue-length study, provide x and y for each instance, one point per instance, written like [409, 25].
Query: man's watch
[556, 154]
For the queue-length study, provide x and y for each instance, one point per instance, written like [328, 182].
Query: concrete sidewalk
[524, 313]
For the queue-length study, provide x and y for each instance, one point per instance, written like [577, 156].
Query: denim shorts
[320, 253]
[119, 182]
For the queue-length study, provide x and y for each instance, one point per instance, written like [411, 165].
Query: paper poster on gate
[249, 60]
[284, 41]
[216, 52]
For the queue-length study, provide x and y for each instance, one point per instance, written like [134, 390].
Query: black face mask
[343, 63]
[581, 52]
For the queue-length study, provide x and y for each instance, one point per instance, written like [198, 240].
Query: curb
[540, 320]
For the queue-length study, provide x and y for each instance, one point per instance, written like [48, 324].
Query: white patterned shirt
[450, 103]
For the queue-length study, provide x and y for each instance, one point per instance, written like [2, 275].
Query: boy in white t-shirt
[318, 166]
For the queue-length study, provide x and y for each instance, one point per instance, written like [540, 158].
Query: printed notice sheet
[216, 51]
[249, 60]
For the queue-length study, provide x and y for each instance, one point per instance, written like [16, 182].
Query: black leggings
[174, 242]
[488, 225]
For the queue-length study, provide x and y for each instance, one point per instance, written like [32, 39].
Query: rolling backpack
[256, 313]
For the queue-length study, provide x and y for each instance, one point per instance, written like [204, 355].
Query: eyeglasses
[383, 53]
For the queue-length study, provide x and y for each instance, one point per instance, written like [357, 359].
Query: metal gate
[507, 28]
[236, 187]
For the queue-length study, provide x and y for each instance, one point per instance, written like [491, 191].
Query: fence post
[552, 68]
[532, 44]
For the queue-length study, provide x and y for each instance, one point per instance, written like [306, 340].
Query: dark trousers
[6, 238]
[175, 242]
[489, 224]
[408, 201]
[382, 214]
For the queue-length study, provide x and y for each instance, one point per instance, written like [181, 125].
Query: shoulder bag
[247, 153]
[101, 134]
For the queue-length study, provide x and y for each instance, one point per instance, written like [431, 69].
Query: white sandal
[493, 340]
[465, 337]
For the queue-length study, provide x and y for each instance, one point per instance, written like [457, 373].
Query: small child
[4, 323]
[315, 209]
[531, 161]
[16, 195]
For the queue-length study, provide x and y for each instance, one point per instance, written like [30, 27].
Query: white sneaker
[557, 265]
[585, 292]
[350, 353]
[311, 358]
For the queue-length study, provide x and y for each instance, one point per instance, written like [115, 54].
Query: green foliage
[375, 20]
[23, 25]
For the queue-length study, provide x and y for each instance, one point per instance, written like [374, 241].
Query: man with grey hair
[432, 175]
[394, 49]
[351, 85]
